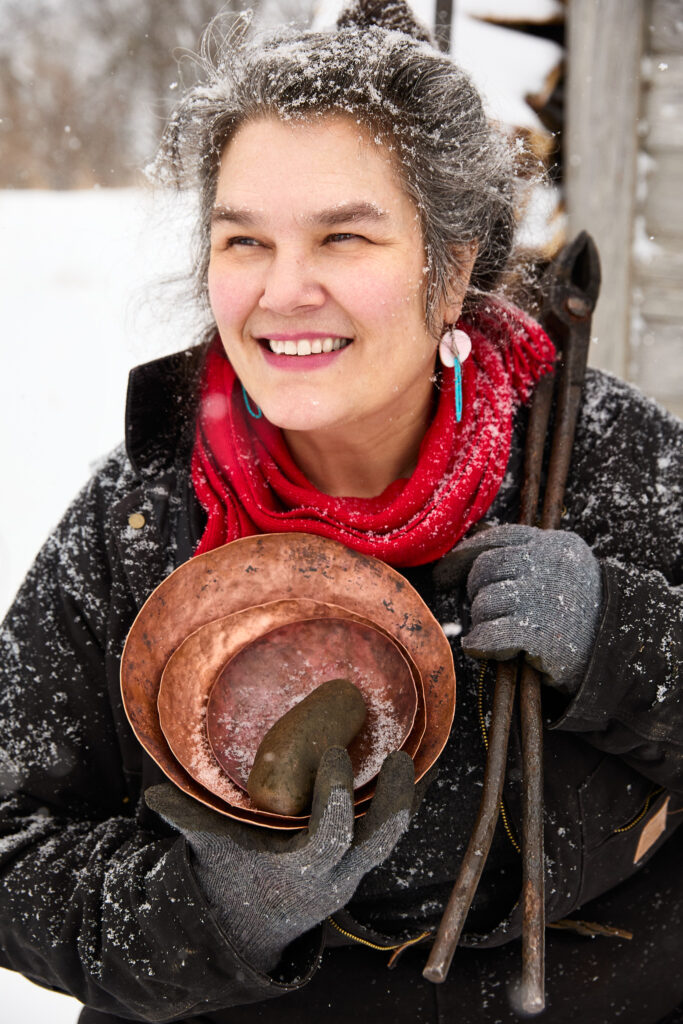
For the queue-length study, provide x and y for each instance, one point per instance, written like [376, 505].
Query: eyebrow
[346, 213]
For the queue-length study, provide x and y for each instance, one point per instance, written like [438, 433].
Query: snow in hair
[455, 167]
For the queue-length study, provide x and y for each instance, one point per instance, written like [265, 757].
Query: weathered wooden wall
[624, 170]
[604, 44]
[656, 338]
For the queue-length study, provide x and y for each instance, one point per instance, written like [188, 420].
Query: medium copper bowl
[190, 685]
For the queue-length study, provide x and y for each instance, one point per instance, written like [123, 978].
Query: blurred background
[94, 260]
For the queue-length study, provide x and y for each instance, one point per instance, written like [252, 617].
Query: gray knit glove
[267, 888]
[537, 591]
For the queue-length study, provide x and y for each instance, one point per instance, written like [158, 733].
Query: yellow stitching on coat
[632, 824]
[397, 948]
[508, 828]
[482, 723]
[364, 942]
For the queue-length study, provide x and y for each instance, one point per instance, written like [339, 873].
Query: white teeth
[306, 347]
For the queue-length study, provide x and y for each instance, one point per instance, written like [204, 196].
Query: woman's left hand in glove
[537, 591]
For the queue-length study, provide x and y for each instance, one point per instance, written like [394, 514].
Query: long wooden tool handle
[479, 845]
[572, 294]
[532, 988]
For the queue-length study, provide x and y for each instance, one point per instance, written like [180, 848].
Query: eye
[239, 240]
[345, 236]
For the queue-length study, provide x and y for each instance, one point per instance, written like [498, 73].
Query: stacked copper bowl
[234, 638]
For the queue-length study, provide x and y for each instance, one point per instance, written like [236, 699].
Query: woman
[357, 210]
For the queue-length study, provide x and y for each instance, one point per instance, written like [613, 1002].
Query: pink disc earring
[454, 348]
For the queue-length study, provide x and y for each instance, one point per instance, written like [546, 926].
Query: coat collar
[160, 409]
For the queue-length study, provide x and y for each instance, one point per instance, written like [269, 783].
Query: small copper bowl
[251, 572]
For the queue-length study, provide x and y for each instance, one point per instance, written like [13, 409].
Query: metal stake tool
[571, 287]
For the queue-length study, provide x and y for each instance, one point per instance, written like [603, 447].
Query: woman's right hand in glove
[267, 889]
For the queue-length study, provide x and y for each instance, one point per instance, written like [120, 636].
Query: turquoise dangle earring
[457, 386]
[258, 414]
[454, 348]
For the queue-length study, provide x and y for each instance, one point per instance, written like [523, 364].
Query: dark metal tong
[570, 288]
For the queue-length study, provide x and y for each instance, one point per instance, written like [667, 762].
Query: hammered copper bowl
[248, 574]
[269, 676]
[219, 694]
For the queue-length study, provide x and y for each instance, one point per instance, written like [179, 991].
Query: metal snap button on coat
[136, 520]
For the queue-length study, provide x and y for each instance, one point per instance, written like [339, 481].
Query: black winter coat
[98, 898]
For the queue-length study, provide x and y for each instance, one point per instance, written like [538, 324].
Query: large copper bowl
[262, 570]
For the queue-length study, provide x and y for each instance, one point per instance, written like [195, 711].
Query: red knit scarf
[248, 483]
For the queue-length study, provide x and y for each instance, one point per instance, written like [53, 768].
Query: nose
[291, 285]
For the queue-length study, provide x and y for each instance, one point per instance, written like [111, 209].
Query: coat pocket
[624, 819]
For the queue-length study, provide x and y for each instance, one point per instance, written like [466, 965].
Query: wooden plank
[657, 260]
[664, 115]
[661, 300]
[663, 205]
[657, 360]
[605, 41]
[663, 70]
[666, 26]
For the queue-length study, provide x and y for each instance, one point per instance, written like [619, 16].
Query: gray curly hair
[380, 67]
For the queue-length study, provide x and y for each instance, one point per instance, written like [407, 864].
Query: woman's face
[317, 276]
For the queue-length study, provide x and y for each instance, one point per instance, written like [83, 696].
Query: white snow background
[81, 302]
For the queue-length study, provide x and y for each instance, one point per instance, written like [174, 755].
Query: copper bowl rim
[299, 565]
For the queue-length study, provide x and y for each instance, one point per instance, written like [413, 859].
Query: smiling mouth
[305, 346]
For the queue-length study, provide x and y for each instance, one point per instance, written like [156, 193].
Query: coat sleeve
[625, 500]
[91, 902]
